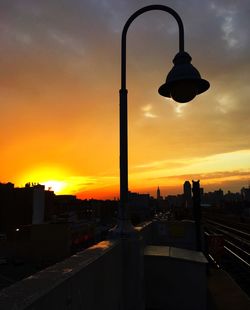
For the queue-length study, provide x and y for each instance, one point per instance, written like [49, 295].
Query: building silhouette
[187, 194]
[21, 206]
[158, 194]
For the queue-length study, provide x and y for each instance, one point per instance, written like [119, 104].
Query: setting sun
[56, 186]
[53, 178]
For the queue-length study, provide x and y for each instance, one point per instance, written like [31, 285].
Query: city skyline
[60, 69]
[160, 192]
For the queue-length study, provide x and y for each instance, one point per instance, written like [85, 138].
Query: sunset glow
[56, 186]
[59, 97]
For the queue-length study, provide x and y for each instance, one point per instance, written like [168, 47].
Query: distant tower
[187, 193]
[158, 193]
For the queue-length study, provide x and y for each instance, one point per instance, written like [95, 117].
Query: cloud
[147, 111]
[219, 168]
[213, 175]
[226, 103]
[160, 164]
[230, 32]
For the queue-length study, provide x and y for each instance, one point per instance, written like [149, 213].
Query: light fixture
[184, 81]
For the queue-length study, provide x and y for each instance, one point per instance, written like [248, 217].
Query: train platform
[224, 293]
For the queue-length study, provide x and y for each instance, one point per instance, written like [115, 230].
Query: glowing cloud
[147, 111]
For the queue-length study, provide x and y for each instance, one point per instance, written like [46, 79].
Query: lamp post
[182, 84]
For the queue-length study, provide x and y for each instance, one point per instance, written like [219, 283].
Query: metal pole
[124, 225]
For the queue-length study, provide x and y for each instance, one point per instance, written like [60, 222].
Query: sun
[53, 178]
[56, 186]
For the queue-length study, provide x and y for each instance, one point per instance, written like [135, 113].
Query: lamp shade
[184, 81]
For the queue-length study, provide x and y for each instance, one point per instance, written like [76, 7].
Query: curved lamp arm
[128, 23]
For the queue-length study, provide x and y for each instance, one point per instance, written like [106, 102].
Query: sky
[59, 96]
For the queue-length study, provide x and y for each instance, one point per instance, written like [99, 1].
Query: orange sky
[59, 84]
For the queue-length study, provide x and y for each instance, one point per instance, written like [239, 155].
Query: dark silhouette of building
[24, 205]
[158, 193]
[187, 194]
[245, 193]
[140, 207]
[213, 198]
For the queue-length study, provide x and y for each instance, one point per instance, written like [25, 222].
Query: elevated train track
[235, 258]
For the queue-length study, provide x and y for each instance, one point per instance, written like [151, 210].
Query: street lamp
[182, 84]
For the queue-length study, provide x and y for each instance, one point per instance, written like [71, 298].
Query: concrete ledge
[175, 278]
[87, 280]
[175, 253]
[179, 234]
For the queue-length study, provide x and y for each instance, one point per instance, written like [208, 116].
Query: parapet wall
[174, 233]
[88, 280]
[111, 275]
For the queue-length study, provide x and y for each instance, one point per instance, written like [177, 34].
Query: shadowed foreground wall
[87, 280]
[110, 275]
